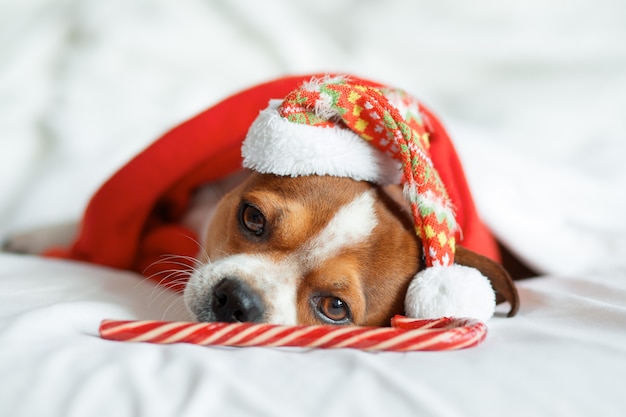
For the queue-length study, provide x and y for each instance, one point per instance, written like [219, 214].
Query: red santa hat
[325, 125]
[339, 127]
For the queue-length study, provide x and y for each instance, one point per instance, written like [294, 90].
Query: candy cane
[404, 334]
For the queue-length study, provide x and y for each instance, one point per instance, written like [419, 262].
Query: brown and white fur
[303, 250]
[312, 250]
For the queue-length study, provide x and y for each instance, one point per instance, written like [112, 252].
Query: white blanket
[533, 93]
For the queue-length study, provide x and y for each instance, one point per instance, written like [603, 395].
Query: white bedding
[534, 95]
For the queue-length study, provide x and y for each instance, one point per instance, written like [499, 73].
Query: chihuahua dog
[298, 250]
[309, 250]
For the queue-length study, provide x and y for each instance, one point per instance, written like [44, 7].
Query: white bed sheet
[534, 95]
[563, 355]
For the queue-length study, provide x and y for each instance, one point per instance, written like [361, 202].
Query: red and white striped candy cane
[404, 334]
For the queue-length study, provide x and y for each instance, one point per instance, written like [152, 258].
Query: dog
[344, 250]
[333, 243]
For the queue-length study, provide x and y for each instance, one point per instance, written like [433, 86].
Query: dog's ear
[501, 281]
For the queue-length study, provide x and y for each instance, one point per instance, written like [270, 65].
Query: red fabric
[132, 220]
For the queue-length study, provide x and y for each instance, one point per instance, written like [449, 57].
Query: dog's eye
[332, 309]
[252, 219]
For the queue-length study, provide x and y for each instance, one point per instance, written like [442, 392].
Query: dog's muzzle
[233, 300]
[243, 288]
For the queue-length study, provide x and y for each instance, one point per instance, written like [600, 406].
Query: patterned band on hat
[390, 120]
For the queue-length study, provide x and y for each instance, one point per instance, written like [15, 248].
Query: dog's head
[309, 238]
[310, 250]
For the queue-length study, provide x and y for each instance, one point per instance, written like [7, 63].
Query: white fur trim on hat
[275, 145]
[450, 291]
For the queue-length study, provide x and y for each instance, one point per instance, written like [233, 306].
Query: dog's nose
[234, 301]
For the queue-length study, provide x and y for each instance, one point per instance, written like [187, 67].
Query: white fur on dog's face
[323, 238]
[275, 281]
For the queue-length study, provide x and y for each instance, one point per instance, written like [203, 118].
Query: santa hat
[339, 127]
[134, 228]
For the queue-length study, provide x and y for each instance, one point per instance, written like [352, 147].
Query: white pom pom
[450, 291]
